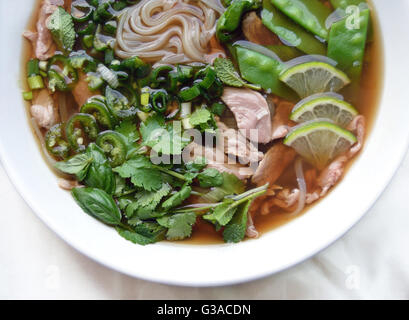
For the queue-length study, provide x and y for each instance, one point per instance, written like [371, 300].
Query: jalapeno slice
[114, 147]
[61, 75]
[100, 112]
[80, 129]
[81, 11]
[121, 102]
[160, 75]
[55, 142]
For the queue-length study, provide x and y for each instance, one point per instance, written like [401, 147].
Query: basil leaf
[77, 165]
[100, 174]
[98, 204]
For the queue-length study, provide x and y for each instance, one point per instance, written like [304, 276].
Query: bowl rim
[17, 180]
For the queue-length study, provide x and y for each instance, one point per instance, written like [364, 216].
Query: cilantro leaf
[196, 165]
[179, 225]
[77, 165]
[210, 178]
[235, 231]
[222, 214]
[227, 74]
[203, 119]
[163, 138]
[177, 198]
[61, 26]
[142, 173]
[128, 129]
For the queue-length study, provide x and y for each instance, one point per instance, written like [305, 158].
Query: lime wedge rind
[339, 111]
[314, 77]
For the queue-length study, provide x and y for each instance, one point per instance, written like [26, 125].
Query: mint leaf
[179, 225]
[222, 214]
[77, 165]
[98, 204]
[235, 231]
[227, 74]
[61, 26]
[177, 198]
[210, 178]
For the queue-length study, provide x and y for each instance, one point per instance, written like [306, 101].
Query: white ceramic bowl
[208, 265]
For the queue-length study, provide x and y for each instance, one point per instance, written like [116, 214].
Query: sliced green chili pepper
[55, 142]
[88, 41]
[81, 11]
[230, 21]
[80, 129]
[61, 75]
[81, 60]
[311, 14]
[290, 32]
[132, 63]
[264, 71]
[114, 147]
[103, 12]
[122, 102]
[346, 45]
[160, 100]
[100, 112]
[101, 41]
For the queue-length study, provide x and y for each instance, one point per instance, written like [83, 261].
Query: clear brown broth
[366, 101]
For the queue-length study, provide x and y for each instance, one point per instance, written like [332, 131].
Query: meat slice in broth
[251, 111]
[281, 120]
[255, 31]
[43, 110]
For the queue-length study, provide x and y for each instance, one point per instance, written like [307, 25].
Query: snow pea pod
[346, 45]
[311, 14]
[289, 31]
[284, 52]
[230, 21]
[260, 69]
[345, 3]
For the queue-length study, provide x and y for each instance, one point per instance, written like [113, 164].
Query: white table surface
[371, 261]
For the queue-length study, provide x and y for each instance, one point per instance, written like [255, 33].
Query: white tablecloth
[371, 261]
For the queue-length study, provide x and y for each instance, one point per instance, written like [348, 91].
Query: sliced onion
[310, 58]
[302, 186]
[336, 16]
[257, 48]
[317, 96]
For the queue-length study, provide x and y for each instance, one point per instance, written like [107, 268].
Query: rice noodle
[168, 31]
[302, 186]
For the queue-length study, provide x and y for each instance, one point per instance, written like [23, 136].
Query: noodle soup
[200, 120]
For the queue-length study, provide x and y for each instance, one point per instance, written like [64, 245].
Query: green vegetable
[289, 31]
[98, 204]
[196, 165]
[231, 185]
[227, 73]
[210, 178]
[28, 95]
[100, 174]
[100, 112]
[143, 233]
[218, 108]
[203, 119]
[55, 142]
[61, 75]
[230, 21]
[121, 102]
[284, 52]
[177, 198]
[35, 82]
[343, 4]
[142, 172]
[81, 11]
[80, 128]
[81, 60]
[264, 71]
[62, 29]
[114, 146]
[346, 45]
[311, 14]
[235, 230]
[179, 225]
[77, 165]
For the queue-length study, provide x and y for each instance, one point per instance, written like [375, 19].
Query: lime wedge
[324, 107]
[314, 77]
[319, 142]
